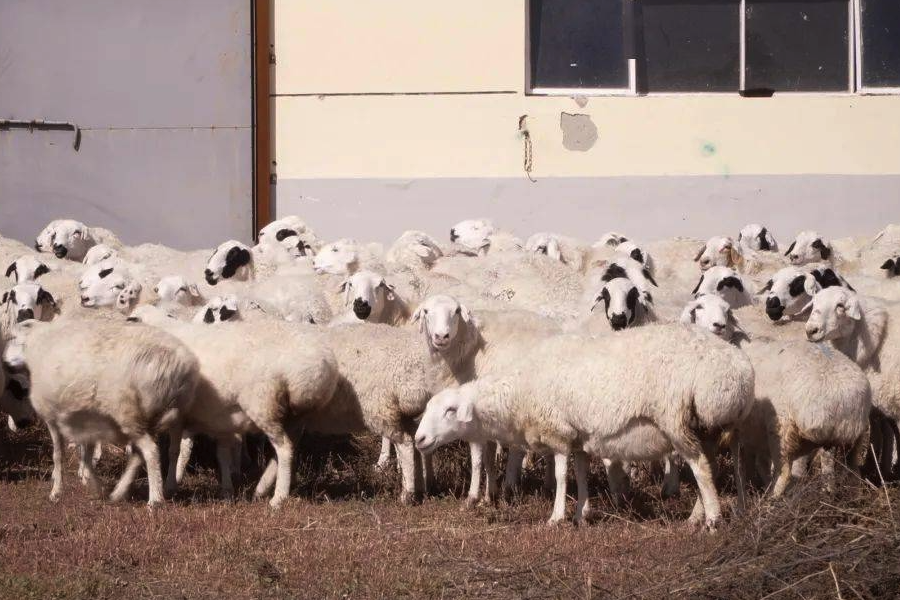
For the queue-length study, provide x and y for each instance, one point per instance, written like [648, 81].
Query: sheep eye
[334, 249]
[841, 307]
[425, 311]
[458, 310]
[450, 411]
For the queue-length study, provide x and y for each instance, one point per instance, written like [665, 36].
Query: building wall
[402, 114]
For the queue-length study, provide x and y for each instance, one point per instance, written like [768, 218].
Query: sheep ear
[41, 270]
[649, 276]
[735, 257]
[464, 313]
[767, 287]
[810, 285]
[417, 318]
[887, 266]
[422, 250]
[388, 290]
[808, 306]
[5, 298]
[699, 283]
[208, 316]
[647, 300]
[12, 269]
[700, 253]
[45, 297]
[689, 316]
[790, 248]
[193, 290]
[853, 308]
[824, 250]
[465, 412]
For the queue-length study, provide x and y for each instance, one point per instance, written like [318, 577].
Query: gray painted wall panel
[647, 208]
[109, 63]
[176, 187]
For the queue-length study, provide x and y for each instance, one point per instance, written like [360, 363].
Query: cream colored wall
[413, 49]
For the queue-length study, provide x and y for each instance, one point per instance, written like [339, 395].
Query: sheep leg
[490, 472]
[174, 453]
[548, 474]
[384, 457]
[858, 452]
[476, 454]
[427, 471]
[800, 466]
[514, 459]
[560, 466]
[86, 469]
[284, 454]
[888, 444]
[266, 480]
[58, 446]
[225, 447]
[147, 445]
[702, 468]
[617, 480]
[583, 506]
[406, 455]
[738, 466]
[185, 448]
[123, 486]
[671, 476]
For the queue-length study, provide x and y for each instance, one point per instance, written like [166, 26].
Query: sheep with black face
[625, 304]
[26, 268]
[724, 282]
[756, 238]
[230, 260]
[23, 302]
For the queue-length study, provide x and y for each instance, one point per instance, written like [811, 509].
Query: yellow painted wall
[409, 47]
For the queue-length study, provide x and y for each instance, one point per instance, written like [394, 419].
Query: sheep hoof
[469, 503]
[276, 503]
[154, 504]
[55, 496]
[669, 493]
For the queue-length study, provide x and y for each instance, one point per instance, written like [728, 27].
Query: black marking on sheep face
[361, 309]
[826, 278]
[208, 316]
[732, 282]
[796, 287]
[790, 249]
[226, 313]
[774, 308]
[699, 283]
[105, 272]
[614, 271]
[542, 249]
[892, 266]
[24, 315]
[9, 296]
[631, 302]
[637, 255]
[60, 251]
[41, 270]
[302, 247]
[133, 320]
[767, 287]
[210, 277]
[234, 260]
[824, 250]
[44, 297]
[16, 391]
[37, 245]
[763, 242]
[284, 233]
[646, 273]
[453, 236]
[12, 269]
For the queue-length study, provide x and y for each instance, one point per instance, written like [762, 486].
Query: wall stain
[708, 149]
[579, 132]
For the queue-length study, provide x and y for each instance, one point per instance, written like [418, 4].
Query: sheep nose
[60, 251]
[453, 236]
[24, 315]
[210, 277]
[773, 303]
[718, 326]
[420, 439]
[618, 321]
[84, 300]
[812, 331]
[37, 245]
[361, 309]
[226, 313]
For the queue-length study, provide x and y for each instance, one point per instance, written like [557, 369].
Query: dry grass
[344, 535]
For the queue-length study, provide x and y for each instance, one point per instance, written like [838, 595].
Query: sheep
[175, 289]
[218, 310]
[755, 238]
[624, 305]
[632, 250]
[413, 249]
[562, 249]
[594, 401]
[370, 298]
[719, 252]
[480, 236]
[291, 233]
[102, 284]
[253, 378]
[23, 302]
[861, 329]
[809, 247]
[891, 267]
[725, 282]
[26, 268]
[99, 253]
[67, 238]
[230, 260]
[789, 290]
[610, 239]
[131, 383]
[806, 397]
[347, 256]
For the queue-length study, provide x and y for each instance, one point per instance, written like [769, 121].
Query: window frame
[854, 69]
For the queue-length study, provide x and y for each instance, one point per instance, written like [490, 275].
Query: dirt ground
[343, 534]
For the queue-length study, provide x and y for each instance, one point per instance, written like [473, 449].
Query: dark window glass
[578, 44]
[881, 43]
[797, 46]
[689, 46]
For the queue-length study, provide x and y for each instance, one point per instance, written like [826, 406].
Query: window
[756, 47]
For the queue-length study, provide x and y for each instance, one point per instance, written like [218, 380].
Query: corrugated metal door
[162, 93]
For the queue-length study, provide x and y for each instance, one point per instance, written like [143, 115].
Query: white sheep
[725, 282]
[810, 247]
[719, 251]
[563, 249]
[22, 302]
[790, 289]
[624, 304]
[480, 236]
[412, 250]
[219, 309]
[347, 256]
[105, 381]
[891, 266]
[635, 252]
[368, 297]
[806, 396]
[26, 268]
[99, 253]
[254, 378]
[582, 395]
[292, 234]
[865, 332]
[67, 238]
[756, 238]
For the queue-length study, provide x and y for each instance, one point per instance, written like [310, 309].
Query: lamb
[719, 251]
[412, 250]
[136, 382]
[26, 268]
[865, 332]
[370, 298]
[789, 290]
[755, 238]
[23, 302]
[725, 282]
[230, 260]
[624, 305]
[71, 239]
[809, 247]
[593, 401]
[266, 378]
[806, 397]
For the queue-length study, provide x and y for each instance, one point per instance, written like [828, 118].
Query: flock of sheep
[667, 352]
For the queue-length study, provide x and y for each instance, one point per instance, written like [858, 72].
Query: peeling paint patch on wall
[579, 131]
